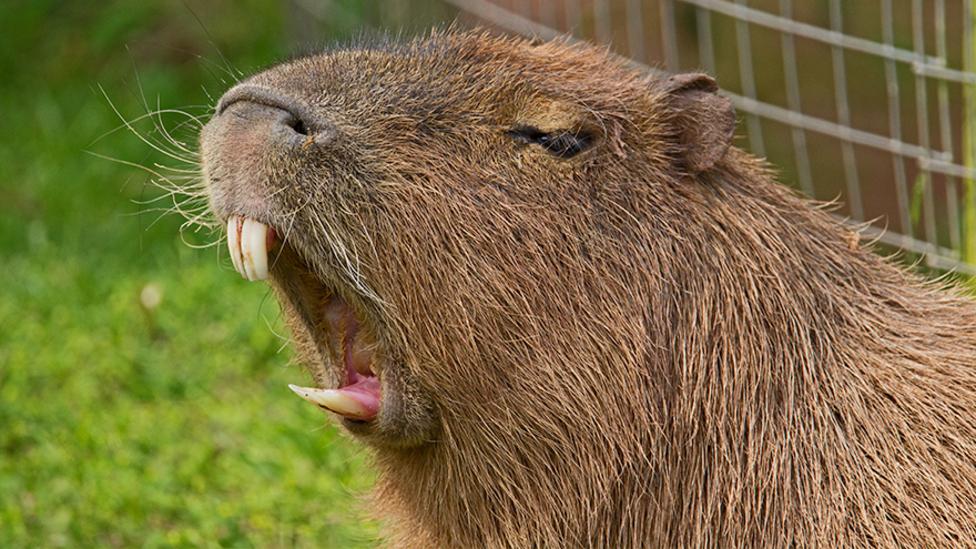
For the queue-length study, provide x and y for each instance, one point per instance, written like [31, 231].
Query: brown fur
[650, 344]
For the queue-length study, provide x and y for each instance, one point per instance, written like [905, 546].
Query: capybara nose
[288, 120]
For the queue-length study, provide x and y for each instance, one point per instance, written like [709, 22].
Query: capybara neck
[772, 384]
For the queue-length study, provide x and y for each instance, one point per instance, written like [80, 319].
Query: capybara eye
[562, 143]
[566, 144]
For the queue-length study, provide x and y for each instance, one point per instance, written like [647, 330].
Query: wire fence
[872, 103]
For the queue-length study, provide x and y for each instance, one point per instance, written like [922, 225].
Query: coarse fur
[648, 344]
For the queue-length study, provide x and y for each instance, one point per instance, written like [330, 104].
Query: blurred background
[143, 396]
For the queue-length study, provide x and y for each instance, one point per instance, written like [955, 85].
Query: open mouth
[358, 396]
[336, 327]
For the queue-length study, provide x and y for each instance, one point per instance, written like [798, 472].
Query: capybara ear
[705, 121]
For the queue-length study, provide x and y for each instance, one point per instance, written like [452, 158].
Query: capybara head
[546, 291]
[453, 217]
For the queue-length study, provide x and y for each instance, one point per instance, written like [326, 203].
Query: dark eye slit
[562, 143]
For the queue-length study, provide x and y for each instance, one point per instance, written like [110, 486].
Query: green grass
[121, 426]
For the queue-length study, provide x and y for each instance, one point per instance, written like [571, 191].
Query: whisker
[139, 135]
[162, 128]
[150, 114]
[229, 68]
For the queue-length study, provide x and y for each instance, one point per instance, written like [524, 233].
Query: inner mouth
[359, 392]
[338, 329]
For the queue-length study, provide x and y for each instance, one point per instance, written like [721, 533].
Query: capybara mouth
[336, 327]
[358, 395]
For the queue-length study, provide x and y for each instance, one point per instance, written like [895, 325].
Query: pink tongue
[365, 391]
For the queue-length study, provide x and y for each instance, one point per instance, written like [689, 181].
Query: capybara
[563, 311]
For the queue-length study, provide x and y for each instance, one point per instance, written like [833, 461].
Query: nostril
[294, 122]
[298, 125]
